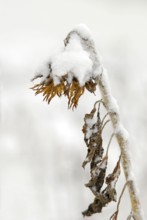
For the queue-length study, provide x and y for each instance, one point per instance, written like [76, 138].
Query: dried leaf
[97, 177]
[92, 130]
[93, 138]
[112, 178]
[96, 207]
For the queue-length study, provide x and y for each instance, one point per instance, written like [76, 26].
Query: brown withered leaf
[93, 138]
[98, 163]
[96, 207]
[98, 176]
[113, 177]
[111, 181]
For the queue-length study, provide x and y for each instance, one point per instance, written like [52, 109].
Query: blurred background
[42, 146]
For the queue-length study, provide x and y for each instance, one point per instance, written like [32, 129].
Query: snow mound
[78, 59]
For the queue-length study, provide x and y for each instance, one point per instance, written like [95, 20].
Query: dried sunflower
[71, 71]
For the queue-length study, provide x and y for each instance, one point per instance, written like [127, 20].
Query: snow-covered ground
[42, 146]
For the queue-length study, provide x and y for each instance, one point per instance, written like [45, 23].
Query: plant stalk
[122, 140]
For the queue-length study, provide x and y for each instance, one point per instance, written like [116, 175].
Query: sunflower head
[72, 70]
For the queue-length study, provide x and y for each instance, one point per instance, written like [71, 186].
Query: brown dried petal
[73, 91]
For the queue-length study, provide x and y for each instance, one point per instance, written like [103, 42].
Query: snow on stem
[122, 139]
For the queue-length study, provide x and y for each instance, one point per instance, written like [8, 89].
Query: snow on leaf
[92, 130]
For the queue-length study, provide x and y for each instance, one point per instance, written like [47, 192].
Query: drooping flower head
[72, 70]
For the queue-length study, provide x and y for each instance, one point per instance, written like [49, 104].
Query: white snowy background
[41, 146]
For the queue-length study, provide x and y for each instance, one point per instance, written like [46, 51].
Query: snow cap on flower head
[72, 70]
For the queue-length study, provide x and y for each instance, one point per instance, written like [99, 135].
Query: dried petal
[73, 91]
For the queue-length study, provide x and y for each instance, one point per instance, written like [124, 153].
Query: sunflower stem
[122, 140]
